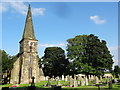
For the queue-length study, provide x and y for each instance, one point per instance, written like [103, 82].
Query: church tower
[26, 64]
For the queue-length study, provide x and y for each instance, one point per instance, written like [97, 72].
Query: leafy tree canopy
[54, 61]
[7, 61]
[116, 70]
[89, 55]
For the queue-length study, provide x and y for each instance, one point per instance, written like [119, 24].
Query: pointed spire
[28, 29]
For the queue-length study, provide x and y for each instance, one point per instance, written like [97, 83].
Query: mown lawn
[40, 85]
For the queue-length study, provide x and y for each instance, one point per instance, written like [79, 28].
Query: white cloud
[97, 20]
[21, 8]
[52, 45]
[38, 11]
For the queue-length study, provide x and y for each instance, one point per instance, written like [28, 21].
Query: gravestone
[33, 84]
[78, 82]
[52, 79]
[116, 81]
[71, 81]
[74, 77]
[86, 81]
[96, 80]
[66, 79]
[63, 77]
[59, 84]
[48, 83]
[46, 78]
[89, 77]
[57, 78]
[75, 84]
[82, 82]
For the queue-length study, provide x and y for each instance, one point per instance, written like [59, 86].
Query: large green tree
[54, 62]
[7, 62]
[89, 55]
[116, 71]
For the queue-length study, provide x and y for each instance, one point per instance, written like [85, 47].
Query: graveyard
[78, 82]
[85, 64]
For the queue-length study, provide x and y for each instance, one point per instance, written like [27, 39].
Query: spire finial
[29, 6]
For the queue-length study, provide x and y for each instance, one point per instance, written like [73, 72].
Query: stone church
[26, 62]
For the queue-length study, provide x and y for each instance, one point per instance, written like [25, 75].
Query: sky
[55, 22]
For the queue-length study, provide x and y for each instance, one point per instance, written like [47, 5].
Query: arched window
[30, 73]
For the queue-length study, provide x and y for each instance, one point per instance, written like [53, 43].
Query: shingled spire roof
[28, 29]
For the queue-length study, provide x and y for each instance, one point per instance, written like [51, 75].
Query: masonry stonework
[26, 62]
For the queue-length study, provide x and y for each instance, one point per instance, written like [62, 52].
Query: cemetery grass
[40, 85]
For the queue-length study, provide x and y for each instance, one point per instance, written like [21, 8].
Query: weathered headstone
[71, 81]
[75, 84]
[96, 80]
[74, 77]
[92, 77]
[59, 84]
[52, 79]
[46, 78]
[79, 77]
[82, 82]
[89, 77]
[63, 77]
[86, 81]
[66, 79]
[57, 78]
[78, 82]
[48, 83]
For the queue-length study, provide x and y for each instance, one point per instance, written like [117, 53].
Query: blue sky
[54, 23]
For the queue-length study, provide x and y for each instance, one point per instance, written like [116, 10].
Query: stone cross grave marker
[33, 84]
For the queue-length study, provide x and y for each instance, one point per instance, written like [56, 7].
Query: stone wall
[15, 72]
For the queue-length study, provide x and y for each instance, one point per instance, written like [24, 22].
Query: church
[26, 62]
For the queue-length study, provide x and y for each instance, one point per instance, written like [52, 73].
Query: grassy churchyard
[65, 86]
